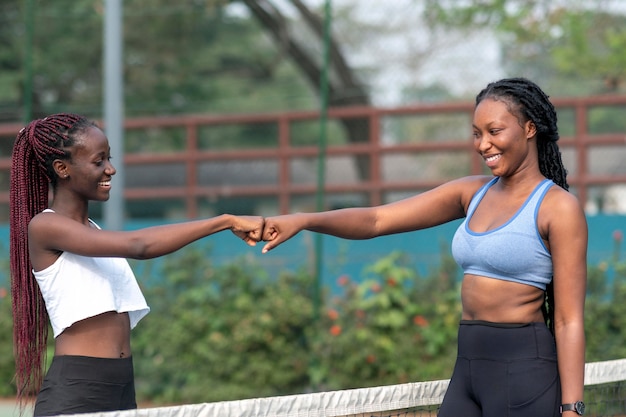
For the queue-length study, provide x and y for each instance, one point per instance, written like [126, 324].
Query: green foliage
[392, 327]
[222, 333]
[232, 332]
[182, 57]
[7, 368]
[574, 49]
[592, 44]
[605, 312]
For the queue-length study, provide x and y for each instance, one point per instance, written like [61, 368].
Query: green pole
[315, 375]
[321, 166]
[29, 24]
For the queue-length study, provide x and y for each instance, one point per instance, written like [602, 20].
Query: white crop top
[77, 287]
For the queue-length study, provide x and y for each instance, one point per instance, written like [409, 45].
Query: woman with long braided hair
[67, 270]
[522, 248]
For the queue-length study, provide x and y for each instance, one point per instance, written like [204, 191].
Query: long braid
[36, 147]
[527, 101]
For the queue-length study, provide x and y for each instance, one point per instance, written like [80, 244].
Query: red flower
[332, 314]
[618, 235]
[335, 330]
[420, 321]
[376, 287]
[391, 282]
[370, 358]
[3, 292]
[343, 280]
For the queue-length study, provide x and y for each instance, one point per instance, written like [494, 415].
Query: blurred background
[276, 106]
[253, 77]
[198, 56]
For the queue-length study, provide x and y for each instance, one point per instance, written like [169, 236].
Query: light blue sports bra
[511, 252]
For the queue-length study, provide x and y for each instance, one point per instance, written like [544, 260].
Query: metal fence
[196, 160]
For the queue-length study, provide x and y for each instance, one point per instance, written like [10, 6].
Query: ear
[531, 129]
[60, 168]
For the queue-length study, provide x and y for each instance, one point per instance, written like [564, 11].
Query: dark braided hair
[36, 147]
[527, 101]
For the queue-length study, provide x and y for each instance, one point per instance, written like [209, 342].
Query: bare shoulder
[561, 208]
[459, 192]
[468, 186]
[39, 223]
[44, 232]
[474, 181]
[48, 221]
[51, 230]
[562, 202]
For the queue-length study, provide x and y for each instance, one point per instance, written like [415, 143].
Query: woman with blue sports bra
[522, 248]
[66, 270]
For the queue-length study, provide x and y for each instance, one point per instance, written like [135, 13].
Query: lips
[104, 183]
[492, 158]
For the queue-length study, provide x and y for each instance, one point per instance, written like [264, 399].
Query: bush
[392, 327]
[7, 364]
[605, 312]
[231, 332]
[222, 333]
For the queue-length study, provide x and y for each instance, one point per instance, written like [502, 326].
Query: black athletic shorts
[82, 384]
[504, 370]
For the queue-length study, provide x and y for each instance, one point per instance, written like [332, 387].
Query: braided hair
[527, 101]
[36, 147]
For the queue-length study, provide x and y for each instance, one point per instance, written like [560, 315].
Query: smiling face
[505, 142]
[89, 170]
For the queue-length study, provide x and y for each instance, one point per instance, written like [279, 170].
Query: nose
[110, 169]
[481, 143]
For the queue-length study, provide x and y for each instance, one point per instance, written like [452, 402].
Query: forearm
[570, 342]
[156, 241]
[350, 223]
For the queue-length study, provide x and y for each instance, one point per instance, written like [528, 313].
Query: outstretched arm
[49, 232]
[437, 206]
[352, 223]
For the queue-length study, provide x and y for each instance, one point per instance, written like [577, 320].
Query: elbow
[139, 250]
[576, 325]
[369, 234]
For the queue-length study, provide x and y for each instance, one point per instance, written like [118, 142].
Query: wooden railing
[578, 144]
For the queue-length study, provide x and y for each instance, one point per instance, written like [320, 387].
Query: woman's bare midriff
[106, 335]
[499, 301]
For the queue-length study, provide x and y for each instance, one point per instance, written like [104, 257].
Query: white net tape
[605, 372]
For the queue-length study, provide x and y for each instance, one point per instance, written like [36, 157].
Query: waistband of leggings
[505, 341]
[116, 370]
[495, 324]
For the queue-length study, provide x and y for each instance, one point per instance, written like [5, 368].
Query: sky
[412, 56]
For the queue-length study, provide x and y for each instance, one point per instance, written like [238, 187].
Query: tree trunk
[344, 88]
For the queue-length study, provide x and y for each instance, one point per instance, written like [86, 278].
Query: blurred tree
[187, 57]
[10, 62]
[306, 52]
[192, 56]
[576, 45]
[230, 55]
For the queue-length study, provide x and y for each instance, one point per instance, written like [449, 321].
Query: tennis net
[605, 395]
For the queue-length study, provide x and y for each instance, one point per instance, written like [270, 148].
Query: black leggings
[504, 370]
[82, 384]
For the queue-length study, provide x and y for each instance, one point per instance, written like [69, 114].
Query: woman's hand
[280, 228]
[248, 228]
